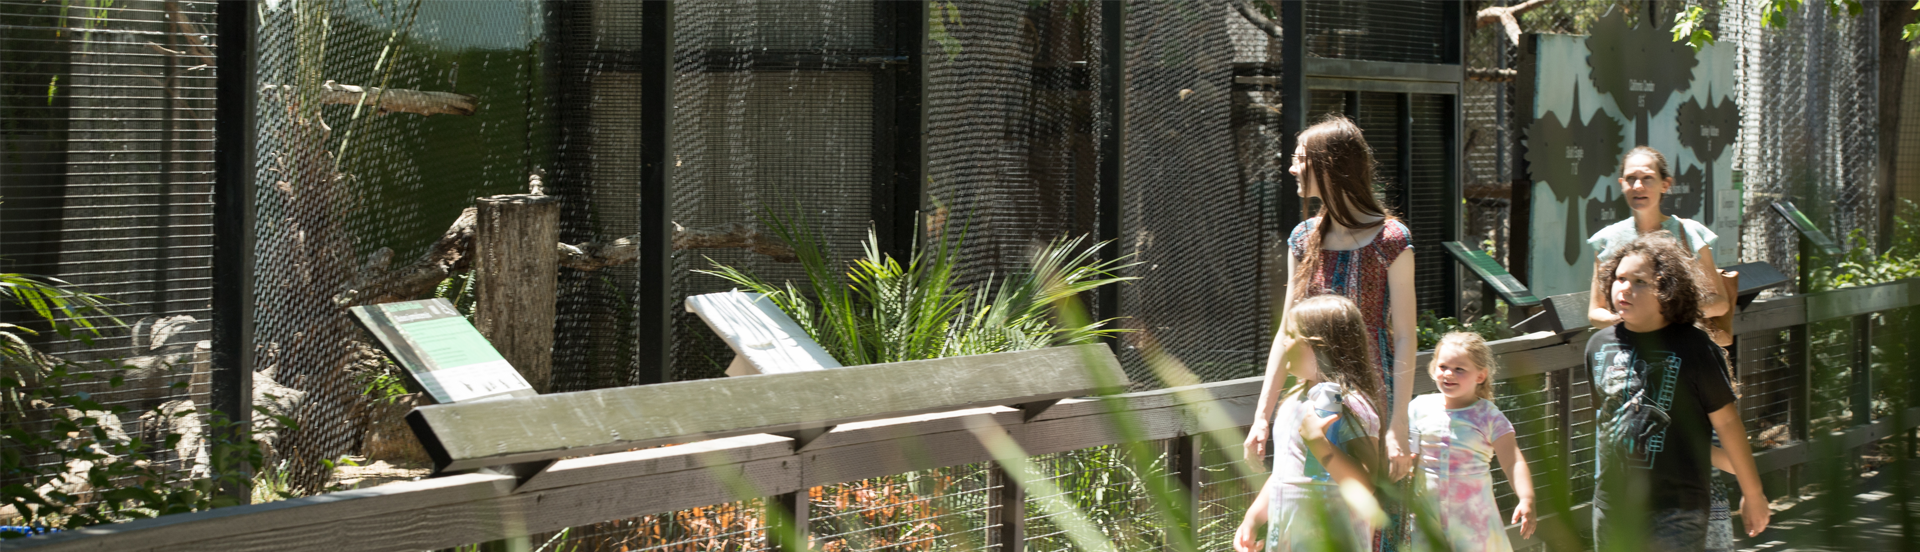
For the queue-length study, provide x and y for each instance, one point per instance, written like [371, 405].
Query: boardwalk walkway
[1869, 521]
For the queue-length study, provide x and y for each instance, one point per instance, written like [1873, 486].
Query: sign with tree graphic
[1596, 97]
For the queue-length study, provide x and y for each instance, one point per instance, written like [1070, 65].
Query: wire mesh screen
[1530, 403]
[1772, 370]
[1411, 32]
[1808, 131]
[1224, 493]
[774, 116]
[596, 170]
[349, 195]
[938, 509]
[1108, 490]
[727, 527]
[1012, 97]
[1189, 215]
[1486, 145]
[1908, 187]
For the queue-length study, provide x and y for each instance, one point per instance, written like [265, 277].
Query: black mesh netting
[347, 196]
[1011, 104]
[1189, 216]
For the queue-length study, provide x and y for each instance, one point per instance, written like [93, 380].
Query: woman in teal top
[1643, 179]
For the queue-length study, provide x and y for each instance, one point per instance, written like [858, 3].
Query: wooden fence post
[1185, 462]
[516, 269]
[1007, 506]
[1799, 414]
[788, 532]
[1861, 398]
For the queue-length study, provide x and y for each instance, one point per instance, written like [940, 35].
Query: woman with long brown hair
[1356, 248]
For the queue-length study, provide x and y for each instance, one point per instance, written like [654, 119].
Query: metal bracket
[802, 438]
[1034, 409]
[523, 473]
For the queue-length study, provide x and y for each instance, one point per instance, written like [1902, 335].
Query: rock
[276, 400]
[388, 437]
[179, 417]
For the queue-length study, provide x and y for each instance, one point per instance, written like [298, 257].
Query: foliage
[1911, 32]
[885, 311]
[62, 305]
[1689, 25]
[1492, 327]
[1859, 266]
[83, 469]
[939, 16]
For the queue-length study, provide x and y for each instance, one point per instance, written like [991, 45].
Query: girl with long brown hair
[1356, 248]
[1326, 436]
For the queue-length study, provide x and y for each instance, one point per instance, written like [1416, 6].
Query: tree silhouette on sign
[1570, 157]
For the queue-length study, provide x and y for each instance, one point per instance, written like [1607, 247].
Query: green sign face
[1596, 97]
[1493, 274]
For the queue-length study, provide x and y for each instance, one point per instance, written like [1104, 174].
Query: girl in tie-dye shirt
[1456, 434]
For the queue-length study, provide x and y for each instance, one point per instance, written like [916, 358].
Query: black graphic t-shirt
[1653, 392]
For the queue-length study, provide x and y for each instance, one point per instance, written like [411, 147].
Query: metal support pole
[233, 218]
[1113, 87]
[900, 159]
[1403, 123]
[1293, 114]
[655, 318]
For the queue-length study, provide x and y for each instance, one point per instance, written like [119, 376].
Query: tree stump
[516, 267]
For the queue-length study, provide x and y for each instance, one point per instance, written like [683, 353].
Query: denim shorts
[1670, 530]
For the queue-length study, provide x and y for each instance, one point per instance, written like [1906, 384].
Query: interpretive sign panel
[441, 351]
[1490, 271]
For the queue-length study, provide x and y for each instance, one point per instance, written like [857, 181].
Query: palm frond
[880, 310]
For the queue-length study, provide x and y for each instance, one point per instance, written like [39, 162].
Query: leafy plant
[886, 311]
[80, 468]
[71, 313]
[1491, 326]
[1859, 266]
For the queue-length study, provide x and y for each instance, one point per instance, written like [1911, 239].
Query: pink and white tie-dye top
[1456, 460]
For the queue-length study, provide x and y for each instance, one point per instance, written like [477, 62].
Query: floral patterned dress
[1361, 275]
[1306, 506]
[1456, 479]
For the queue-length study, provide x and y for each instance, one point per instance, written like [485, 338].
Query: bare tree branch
[1506, 17]
[453, 252]
[421, 102]
[1258, 19]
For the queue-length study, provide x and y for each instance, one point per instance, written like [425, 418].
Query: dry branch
[1258, 19]
[1506, 17]
[453, 252]
[421, 102]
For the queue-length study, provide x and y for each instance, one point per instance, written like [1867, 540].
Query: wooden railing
[479, 507]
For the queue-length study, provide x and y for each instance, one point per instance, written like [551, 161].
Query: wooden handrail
[471, 435]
